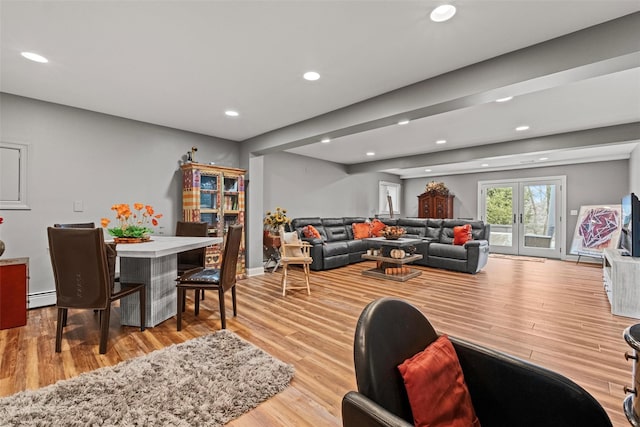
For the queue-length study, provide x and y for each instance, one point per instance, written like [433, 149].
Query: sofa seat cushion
[357, 245]
[330, 249]
[444, 250]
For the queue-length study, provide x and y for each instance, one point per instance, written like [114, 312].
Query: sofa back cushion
[434, 229]
[414, 226]
[477, 229]
[335, 228]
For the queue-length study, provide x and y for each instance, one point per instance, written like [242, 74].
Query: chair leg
[143, 305]
[64, 317]
[233, 299]
[223, 318]
[184, 299]
[305, 267]
[180, 308]
[104, 334]
[283, 281]
[197, 298]
[202, 295]
[62, 314]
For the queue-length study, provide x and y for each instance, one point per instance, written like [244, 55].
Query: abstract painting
[598, 228]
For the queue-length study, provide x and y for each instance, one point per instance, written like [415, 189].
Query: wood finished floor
[552, 313]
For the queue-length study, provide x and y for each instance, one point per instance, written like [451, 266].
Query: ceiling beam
[595, 51]
[584, 138]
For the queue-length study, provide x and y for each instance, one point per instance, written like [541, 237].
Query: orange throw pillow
[311, 232]
[361, 230]
[435, 385]
[376, 227]
[462, 234]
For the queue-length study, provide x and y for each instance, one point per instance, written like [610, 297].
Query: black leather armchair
[505, 391]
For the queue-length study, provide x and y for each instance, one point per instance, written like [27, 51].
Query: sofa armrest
[315, 252]
[360, 411]
[476, 243]
[496, 382]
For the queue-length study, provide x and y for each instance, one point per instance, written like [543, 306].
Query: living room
[83, 158]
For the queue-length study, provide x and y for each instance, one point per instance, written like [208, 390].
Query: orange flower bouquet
[132, 224]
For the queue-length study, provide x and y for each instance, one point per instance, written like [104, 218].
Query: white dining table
[154, 263]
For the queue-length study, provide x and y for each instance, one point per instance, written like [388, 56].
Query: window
[389, 190]
[13, 176]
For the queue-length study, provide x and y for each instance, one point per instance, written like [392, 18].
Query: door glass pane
[499, 213]
[539, 215]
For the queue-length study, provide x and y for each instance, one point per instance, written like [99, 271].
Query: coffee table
[385, 264]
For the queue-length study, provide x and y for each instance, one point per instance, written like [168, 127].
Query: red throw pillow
[311, 232]
[436, 389]
[462, 234]
[376, 227]
[361, 230]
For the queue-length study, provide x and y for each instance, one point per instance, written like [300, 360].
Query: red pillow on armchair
[435, 385]
[462, 234]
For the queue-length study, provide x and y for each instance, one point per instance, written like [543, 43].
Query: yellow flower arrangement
[134, 223]
[274, 220]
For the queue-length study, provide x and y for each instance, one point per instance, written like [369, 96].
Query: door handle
[514, 218]
[520, 218]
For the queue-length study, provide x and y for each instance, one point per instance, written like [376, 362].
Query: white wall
[634, 171]
[97, 159]
[311, 187]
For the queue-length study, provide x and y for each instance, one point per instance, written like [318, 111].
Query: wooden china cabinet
[433, 204]
[215, 195]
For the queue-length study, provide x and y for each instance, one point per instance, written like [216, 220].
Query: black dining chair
[221, 279]
[84, 272]
[194, 258]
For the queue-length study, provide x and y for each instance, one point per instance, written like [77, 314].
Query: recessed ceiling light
[543, 158]
[521, 128]
[34, 57]
[311, 75]
[443, 13]
[231, 113]
[371, 153]
[325, 140]
[427, 170]
[505, 99]
[441, 141]
[403, 122]
[484, 165]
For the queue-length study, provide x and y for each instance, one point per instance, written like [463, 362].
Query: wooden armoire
[432, 204]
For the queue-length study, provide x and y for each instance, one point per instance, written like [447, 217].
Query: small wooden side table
[14, 276]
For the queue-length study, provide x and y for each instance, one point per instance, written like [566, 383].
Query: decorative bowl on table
[392, 232]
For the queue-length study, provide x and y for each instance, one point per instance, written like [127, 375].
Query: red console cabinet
[14, 274]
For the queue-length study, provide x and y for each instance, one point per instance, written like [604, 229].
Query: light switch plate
[574, 212]
[78, 206]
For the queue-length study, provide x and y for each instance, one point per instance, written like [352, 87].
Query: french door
[526, 215]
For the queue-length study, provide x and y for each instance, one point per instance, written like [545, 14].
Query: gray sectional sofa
[337, 246]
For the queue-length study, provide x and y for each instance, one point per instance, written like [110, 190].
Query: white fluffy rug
[207, 381]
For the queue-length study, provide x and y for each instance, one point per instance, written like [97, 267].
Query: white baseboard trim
[42, 299]
[256, 271]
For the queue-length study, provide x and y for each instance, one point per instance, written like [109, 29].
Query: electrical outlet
[78, 206]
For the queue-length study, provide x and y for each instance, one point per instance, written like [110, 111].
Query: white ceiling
[183, 63]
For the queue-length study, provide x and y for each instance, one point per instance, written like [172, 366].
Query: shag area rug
[207, 381]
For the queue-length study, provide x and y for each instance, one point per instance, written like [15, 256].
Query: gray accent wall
[99, 160]
[311, 187]
[587, 184]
